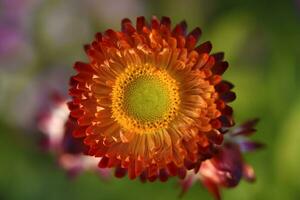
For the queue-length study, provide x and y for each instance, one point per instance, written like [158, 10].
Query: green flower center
[146, 99]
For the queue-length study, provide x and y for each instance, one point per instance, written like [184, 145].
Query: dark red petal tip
[196, 33]
[205, 47]
[218, 56]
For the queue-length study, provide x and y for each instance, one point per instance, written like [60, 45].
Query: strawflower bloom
[150, 102]
[226, 168]
[56, 137]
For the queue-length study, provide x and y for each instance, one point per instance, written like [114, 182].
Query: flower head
[226, 168]
[149, 101]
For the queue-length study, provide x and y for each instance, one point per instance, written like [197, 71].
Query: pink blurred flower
[15, 47]
[10, 40]
[57, 138]
[227, 168]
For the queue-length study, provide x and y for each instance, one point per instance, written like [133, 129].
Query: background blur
[41, 39]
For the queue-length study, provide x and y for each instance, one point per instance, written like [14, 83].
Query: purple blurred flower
[10, 40]
[13, 16]
[227, 168]
[14, 9]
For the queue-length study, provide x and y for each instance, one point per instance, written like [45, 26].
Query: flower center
[145, 99]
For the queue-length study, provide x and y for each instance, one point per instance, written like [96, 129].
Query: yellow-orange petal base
[150, 102]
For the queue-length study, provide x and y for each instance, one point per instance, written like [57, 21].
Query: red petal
[103, 162]
[166, 21]
[218, 56]
[227, 121]
[140, 23]
[163, 175]
[180, 29]
[155, 23]
[213, 188]
[120, 172]
[131, 171]
[86, 48]
[196, 33]
[172, 169]
[83, 67]
[228, 111]
[127, 27]
[98, 37]
[220, 68]
[224, 86]
[204, 48]
[228, 96]
[79, 132]
[124, 23]
[152, 178]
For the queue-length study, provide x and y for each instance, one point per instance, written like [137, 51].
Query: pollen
[145, 99]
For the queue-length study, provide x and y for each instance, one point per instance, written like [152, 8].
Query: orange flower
[149, 102]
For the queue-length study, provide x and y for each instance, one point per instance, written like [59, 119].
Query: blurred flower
[14, 10]
[10, 40]
[227, 167]
[57, 138]
[150, 102]
[15, 48]
[52, 121]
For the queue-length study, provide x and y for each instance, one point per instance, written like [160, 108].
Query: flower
[10, 40]
[149, 101]
[56, 129]
[51, 122]
[227, 167]
[13, 38]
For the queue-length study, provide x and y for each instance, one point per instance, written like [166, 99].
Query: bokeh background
[41, 39]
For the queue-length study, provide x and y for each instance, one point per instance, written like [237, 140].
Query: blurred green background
[41, 39]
